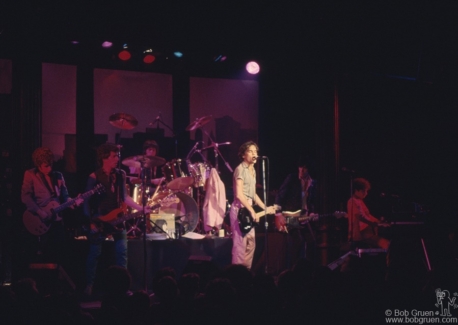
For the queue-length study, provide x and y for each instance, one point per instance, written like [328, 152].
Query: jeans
[120, 242]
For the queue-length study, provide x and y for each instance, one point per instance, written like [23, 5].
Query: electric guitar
[38, 226]
[246, 221]
[109, 224]
[289, 219]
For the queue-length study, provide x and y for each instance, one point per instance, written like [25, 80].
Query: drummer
[150, 149]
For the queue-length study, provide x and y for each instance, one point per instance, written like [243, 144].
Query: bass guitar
[109, 224]
[289, 220]
[246, 221]
[38, 226]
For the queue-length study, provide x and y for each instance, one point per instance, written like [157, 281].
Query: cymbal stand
[159, 121]
[217, 152]
[199, 194]
[145, 176]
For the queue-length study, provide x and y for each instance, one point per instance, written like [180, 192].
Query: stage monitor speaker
[51, 278]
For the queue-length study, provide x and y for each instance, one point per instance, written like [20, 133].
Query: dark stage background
[370, 87]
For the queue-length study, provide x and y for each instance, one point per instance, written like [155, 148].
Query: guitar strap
[53, 183]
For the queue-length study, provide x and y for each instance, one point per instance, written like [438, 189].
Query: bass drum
[183, 206]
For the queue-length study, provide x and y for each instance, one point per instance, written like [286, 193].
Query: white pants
[243, 245]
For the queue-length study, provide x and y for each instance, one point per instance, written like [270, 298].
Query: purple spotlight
[252, 67]
[107, 44]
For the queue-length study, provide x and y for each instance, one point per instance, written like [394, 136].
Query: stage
[207, 255]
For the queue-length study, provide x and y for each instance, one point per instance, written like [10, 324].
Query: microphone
[348, 170]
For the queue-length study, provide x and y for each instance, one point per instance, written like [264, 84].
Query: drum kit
[176, 195]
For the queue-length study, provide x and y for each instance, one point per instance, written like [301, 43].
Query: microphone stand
[266, 241]
[144, 177]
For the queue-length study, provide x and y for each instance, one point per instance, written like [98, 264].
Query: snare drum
[200, 172]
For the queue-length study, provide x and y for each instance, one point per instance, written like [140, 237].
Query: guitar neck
[129, 216]
[263, 212]
[72, 201]
[317, 216]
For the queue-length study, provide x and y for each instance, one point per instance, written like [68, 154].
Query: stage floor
[185, 255]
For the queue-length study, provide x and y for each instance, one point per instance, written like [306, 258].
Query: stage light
[178, 54]
[107, 44]
[124, 55]
[220, 58]
[252, 67]
[148, 56]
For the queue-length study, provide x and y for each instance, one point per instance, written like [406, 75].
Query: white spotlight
[252, 67]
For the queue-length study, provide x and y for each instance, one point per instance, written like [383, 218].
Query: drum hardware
[216, 145]
[181, 183]
[175, 177]
[143, 161]
[158, 120]
[123, 121]
[198, 123]
[181, 205]
[201, 171]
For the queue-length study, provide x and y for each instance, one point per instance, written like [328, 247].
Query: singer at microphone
[243, 231]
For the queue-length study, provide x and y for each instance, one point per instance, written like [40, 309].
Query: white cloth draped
[214, 207]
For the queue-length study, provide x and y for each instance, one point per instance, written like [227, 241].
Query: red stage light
[149, 58]
[124, 55]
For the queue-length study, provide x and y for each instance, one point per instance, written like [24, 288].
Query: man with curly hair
[42, 185]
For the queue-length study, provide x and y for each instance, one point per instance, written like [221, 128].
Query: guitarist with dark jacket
[114, 182]
[298, 192]
[244, 183]
[41, 186]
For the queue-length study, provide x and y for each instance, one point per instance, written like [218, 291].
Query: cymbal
[143, 161]
[123, 121]
[199, 122]
[139, 181]
[180, 183]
